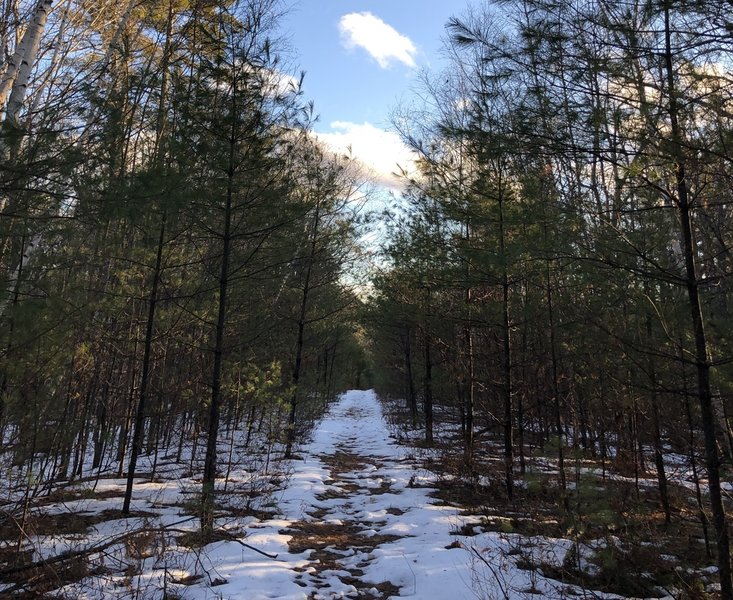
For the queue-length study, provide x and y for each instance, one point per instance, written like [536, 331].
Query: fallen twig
[234, 538]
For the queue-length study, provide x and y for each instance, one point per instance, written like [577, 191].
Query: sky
[361, 59]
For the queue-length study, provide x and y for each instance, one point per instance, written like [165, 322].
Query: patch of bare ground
[345, 461]
[69, 494]
[354, 413]
[329, 543]
[338, 489]
[385, 487]
[318, 536]
[39, 522]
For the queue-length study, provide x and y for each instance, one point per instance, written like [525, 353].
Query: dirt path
[337, 535]
[367, 530]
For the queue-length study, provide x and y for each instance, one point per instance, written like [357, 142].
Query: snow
[355, 482]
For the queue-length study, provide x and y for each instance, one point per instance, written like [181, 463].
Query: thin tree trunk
[557, 401]
[603, 433]
[207, 487]
[207, 494]
[428, 392]
[658, 448]
[522, 396]
[125, 429]
[331, 379]
[139, 427]
[470, 393]
[702, 356]
[506, 354]
[291, 433]
[470, 396]
[11, 329]
[137, 436]
[411, 393]
[693, 458]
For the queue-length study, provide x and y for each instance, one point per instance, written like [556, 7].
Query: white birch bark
[18, 74]
[13, 88]
[59, 49]
[24, 60]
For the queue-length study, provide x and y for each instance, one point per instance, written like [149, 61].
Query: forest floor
[359, 515]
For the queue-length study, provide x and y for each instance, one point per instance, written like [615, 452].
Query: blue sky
[361, 58]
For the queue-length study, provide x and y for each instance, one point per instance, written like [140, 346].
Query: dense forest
[180, 259]
[174, 240]
[560, 272]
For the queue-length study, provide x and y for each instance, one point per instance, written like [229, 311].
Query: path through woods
[356, 518]
[364, 516]
[372, 532]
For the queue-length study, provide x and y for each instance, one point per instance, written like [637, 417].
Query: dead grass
[32, 584]
[325, 540]
[67, 523]
[338, 489]
[344, 461]
[317, 536]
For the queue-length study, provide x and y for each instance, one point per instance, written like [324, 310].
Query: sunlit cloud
[279, 83]
[381, 152]
[382, 41]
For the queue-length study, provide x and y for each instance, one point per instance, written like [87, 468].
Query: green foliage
[259, 386]
[137, 151]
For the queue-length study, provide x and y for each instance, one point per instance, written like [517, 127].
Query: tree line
[174, 240]
[559, 274]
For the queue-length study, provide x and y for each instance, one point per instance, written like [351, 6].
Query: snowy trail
[351, 525]
[365, 525]
[355, 520]
[372, 534]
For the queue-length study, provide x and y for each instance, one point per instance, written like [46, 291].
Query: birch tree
[17, 71]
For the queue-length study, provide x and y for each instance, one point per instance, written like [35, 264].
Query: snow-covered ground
[356, 519]
[427, 560]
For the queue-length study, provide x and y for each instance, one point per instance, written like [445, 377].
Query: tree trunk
[470, 394]
[693, 458]
[470, 387]
[702, 357]
[207, 487]
[301, 332]
[137, 435]
[428, 392]
[506, 355]
[17, 75]
[557, 401]
[658, 448]
[411, 394]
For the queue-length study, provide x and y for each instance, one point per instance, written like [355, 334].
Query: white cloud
[383, 42]
[281, 84]
[381, 152]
